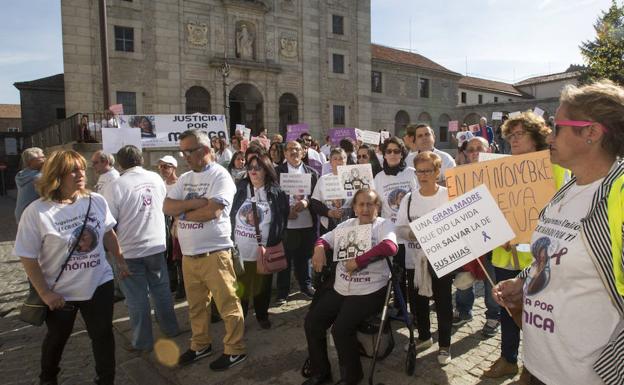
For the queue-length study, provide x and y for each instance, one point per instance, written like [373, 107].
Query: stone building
[42, 102]
[10, 118]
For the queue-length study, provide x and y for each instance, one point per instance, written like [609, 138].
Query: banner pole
[491, 283]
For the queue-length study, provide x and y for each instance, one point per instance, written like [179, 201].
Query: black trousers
[256, 287]
[346, 313]
[406, 282]
[98, 317]
[442, 297]
[299, 245]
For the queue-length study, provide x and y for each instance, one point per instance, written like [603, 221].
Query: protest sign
[246, 133]
[355, 177]
[114, 138]
[164, 130]
[333, 188]
[474, 128]
[485, 156]
[514, 114]
[294, 131]
[498, 115]
[538, 111]
[463, 136]
[384, 135]
[370, 137]
[521, 185]
[351, 242]
[296, 184]
[461, 230]
[337, 134]
[453, 126]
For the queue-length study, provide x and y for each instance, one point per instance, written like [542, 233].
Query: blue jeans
[464, 299]
[510, 332]
[149, 278]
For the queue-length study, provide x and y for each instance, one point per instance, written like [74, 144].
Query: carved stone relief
[197, 34]
[245, 40]
[288, 46]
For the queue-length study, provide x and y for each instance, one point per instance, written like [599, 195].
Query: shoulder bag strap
[75, 244]
[409, 206]
[255, 214]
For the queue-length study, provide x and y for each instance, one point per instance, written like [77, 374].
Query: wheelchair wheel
[305, 370]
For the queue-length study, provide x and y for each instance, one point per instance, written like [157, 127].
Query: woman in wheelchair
[358, 292]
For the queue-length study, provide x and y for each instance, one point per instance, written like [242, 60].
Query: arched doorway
[246, 108]
[424, 118]
[288, 111]
[197, 100]
[472, 118]
[401, 120]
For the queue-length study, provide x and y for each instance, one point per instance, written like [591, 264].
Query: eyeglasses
[165, 165]
[363, 156]
[396, 151]
[516, 135]
[576, 123]
[254, 168]
[425, 172]
[190, 152]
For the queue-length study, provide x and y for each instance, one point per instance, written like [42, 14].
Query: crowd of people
[201, 235]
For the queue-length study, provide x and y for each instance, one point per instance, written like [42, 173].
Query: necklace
[568, 200]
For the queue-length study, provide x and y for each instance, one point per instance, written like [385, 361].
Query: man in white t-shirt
[201, 200]
[103, 166]
[420, 137]
[326, 148]
[136, 201]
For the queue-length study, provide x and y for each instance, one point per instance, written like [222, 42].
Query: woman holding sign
[358, 292]
[526, 133]
[573, 293]
[418, 202]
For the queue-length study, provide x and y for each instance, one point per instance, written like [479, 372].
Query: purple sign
[294, 131]
[337, 134]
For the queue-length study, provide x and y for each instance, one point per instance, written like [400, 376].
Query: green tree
[605, 54]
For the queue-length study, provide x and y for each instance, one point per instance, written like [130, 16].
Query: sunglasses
[254, 168]
[165, 165]
[425, 172]
[364, 156]
[576, 123]
[395, 151]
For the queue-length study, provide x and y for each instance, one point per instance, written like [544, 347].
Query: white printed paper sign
[296, 184]
[384, 135]
[497, 115]
[351, 242]
[538, 111]
[114, 138]
[370, 137]
[333, 188]
[462, 230]
[485, 156]
[355, 177]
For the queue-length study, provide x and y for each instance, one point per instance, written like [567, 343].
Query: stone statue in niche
[288, 47]
[197, 34]
[245, 40]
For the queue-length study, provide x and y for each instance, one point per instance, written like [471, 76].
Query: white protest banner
[351, 242]
[355, 177]
[384, 135]
[333, 188]
[514, 114]
[165, 130]
[453, 126]
[115, 138]
[538, 111]
[485, 156]
[474, 127]
[370, 137]
[296, 184]
[461, 230]
[247, 133]
[498, 115]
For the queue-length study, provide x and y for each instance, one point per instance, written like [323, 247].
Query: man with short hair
[136, 201]
[201, 200]
[103, 166]
[301, 230]
[421, 137]
[32, 161]
[326, 148]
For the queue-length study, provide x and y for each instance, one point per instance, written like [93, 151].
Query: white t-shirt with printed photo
[136, 201]
[214, 182]
[392, 189]
[376, 274]
[319, 195]
[47, 232]
[245, 230]
[419, 206]
[568, 316]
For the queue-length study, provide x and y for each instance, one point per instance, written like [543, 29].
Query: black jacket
[283, 169]
[278, 202]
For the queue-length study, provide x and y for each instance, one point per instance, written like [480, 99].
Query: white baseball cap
[170, 160]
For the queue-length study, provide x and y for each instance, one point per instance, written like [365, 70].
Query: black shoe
[180, 294]
[191, 355]
[226, 361]
[264, 323]
[318, 380]
[214, 318]
[308, 292]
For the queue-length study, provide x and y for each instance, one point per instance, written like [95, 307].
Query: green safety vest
[615, 209]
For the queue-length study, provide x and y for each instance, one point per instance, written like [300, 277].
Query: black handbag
[34, 311]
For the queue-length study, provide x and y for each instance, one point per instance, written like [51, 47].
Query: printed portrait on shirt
[88, 240]
[540, 269]
[245, 214]
[395, 197]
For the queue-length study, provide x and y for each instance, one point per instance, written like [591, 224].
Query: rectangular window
[424, 87]
[124, 39]
[337, 25]
[443, 134]
[339, 115]
[495, 99]
[480, 99]
[376, 81]
[338, 63]
[463, 97]
[128, 100]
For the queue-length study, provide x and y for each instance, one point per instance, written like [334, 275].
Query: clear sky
[507, 40]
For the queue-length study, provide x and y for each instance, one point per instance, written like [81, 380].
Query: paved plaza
[275, 355]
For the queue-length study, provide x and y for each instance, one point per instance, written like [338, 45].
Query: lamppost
[225, 72]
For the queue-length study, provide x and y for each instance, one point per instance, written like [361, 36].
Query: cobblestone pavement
[275, 355]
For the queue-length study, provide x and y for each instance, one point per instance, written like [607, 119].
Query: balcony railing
[79, 128]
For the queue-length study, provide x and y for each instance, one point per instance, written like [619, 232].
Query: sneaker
[444, 356]
[420, 344]
[490, 329]
[308, 292]
[501, 368]
[280, 301]
[191, 355]
[459, 320]
[226, 361]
